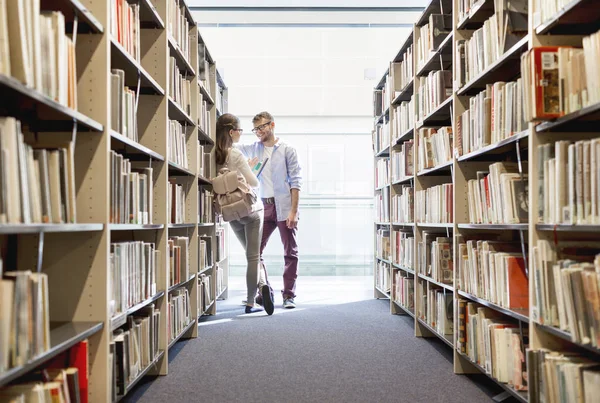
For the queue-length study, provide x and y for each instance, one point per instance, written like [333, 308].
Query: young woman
[248, 229]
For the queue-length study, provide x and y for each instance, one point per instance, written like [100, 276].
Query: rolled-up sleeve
[293, 168]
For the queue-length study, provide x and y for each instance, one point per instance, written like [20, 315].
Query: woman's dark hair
[225, 123]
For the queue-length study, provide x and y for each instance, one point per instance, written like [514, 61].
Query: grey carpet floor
[339, 345]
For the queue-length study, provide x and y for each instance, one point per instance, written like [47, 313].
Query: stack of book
[434, 204]
[177, 201]
[179, 259]
[123, 112]
[402, 161]
[178, 144]
[403, 206]
[125, 26]
[180, 313]
[432, 91]
[132, 190]
[404, 251]
[435, 147]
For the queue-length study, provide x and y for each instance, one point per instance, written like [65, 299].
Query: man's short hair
[263, 115]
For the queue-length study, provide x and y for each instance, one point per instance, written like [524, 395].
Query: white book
[20, 59]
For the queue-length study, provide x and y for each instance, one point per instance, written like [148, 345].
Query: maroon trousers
[290, 247]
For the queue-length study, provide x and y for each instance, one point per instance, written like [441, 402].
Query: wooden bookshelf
[76, 256]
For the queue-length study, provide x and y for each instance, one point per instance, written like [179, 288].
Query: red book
[76, 356]
[546, 82]
[517, 283]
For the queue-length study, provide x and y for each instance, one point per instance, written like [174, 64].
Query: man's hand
[292, 220]
[252, 162]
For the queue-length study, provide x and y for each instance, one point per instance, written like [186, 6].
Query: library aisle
[339, 345]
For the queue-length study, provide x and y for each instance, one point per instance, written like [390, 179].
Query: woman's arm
[242, 166]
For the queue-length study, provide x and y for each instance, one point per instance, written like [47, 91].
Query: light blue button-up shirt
[285, 172]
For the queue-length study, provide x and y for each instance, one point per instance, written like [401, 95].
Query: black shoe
[267, 300]
[251, 309]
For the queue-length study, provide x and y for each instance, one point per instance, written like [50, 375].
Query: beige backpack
[233, 198]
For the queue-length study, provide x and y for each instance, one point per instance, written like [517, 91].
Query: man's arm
[295, 181]
[246, 149]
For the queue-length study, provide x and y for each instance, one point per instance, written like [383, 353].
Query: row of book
[178, 26]
[133, 348]
[403, 72]
[125, 26]
[488, 44]
[430, 36]
[404, 290]
[404, 251]
[178, 144]
[37, 185]
[382, 205]
[131, 191]
[382, 276]
[498, 196]
[177, 202]
[123, 106]
[24, 318]
[434, 204]
[494, 114]
[436, 308]
[220, 252]
[402, 161]
[569, 183]
[204, 161]
[403, 119]
[132, 276]
[403, 205]
[465, 8]
[205, 293]
[179, 259]
[383, 247]
[180, 87]
[494, 271]
[567, 288]
[206, 213]
[494, 343]
[382, 172]
[179, 310]
[381, 137]
[203, 114]
[431, 92]
[435, 147]
[434, 257]
[564, 376]
[204, 72]
[35, 50]
[220, 279]
[543, 10]
[205, 252]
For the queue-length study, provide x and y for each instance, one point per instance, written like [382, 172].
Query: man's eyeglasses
[261, 127]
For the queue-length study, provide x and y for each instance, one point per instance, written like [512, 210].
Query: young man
[280, 184]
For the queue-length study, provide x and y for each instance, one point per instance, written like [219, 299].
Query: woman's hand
[252, 162]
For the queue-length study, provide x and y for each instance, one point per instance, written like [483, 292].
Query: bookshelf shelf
[434, 7]
[442, 169]
[505, 68]
[383, 223]
[183, 63]
[132, 149]
[406, 269]
[501, 147]
[220, 293]
[182, 284]
[142, 373]
[405, 94]
[176, 112]
[121, 318]
[18, 99]
[387, 294]
[203, 181]
[149, 17]
[495, 227]
[405, 136]
[405, 45]
[382, 187]
[48, 228]
[63, 335]
[177, 170]
[384, 260]
[440, 59]
[385, 152]
[384, 116]
[477, 15]
[204, 138]
[405, 309]
[403, 181]
[520, 396]
[564, 335]
[580, 17]
[407, 225]
[521, 314]
[583, 120]
[381, 82]
[183, 332]
[439, 117]
[432, 281]
[206, 269]
[206, 96]
[135, 227]
[449, 226]
[87, 23]
[121, 59]
[444, 338]
[206, 224]
[177, 226]
[568, 227]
